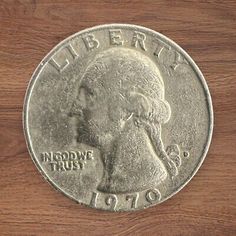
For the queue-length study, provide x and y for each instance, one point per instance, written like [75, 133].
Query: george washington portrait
[120, 107]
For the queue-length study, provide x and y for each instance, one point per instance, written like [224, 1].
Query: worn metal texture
[118, 117]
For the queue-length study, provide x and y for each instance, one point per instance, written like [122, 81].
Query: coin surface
[118, 117]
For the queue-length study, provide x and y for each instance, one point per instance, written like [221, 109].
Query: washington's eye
[87, 97]
[90, 92]
[90, 95]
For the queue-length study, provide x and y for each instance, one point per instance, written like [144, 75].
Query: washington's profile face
[94, 114]
[97, 124]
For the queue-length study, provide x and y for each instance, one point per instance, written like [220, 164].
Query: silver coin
[118, 117]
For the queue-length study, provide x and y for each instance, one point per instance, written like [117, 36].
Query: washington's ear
[139, 104]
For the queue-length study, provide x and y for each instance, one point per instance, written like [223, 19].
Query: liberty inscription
[163, 52]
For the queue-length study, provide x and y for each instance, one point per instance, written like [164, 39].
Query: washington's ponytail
[154, 133]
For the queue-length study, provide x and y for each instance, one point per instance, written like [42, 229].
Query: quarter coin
[118, 117]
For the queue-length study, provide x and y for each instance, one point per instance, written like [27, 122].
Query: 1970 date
[111, 200]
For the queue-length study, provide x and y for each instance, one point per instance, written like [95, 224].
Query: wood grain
[29, 205]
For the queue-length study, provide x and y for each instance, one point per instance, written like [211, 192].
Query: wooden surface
[29, 205]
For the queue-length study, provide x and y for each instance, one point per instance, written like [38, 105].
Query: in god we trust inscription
[118, 117]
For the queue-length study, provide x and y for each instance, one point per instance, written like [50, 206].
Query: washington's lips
[84, 135]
